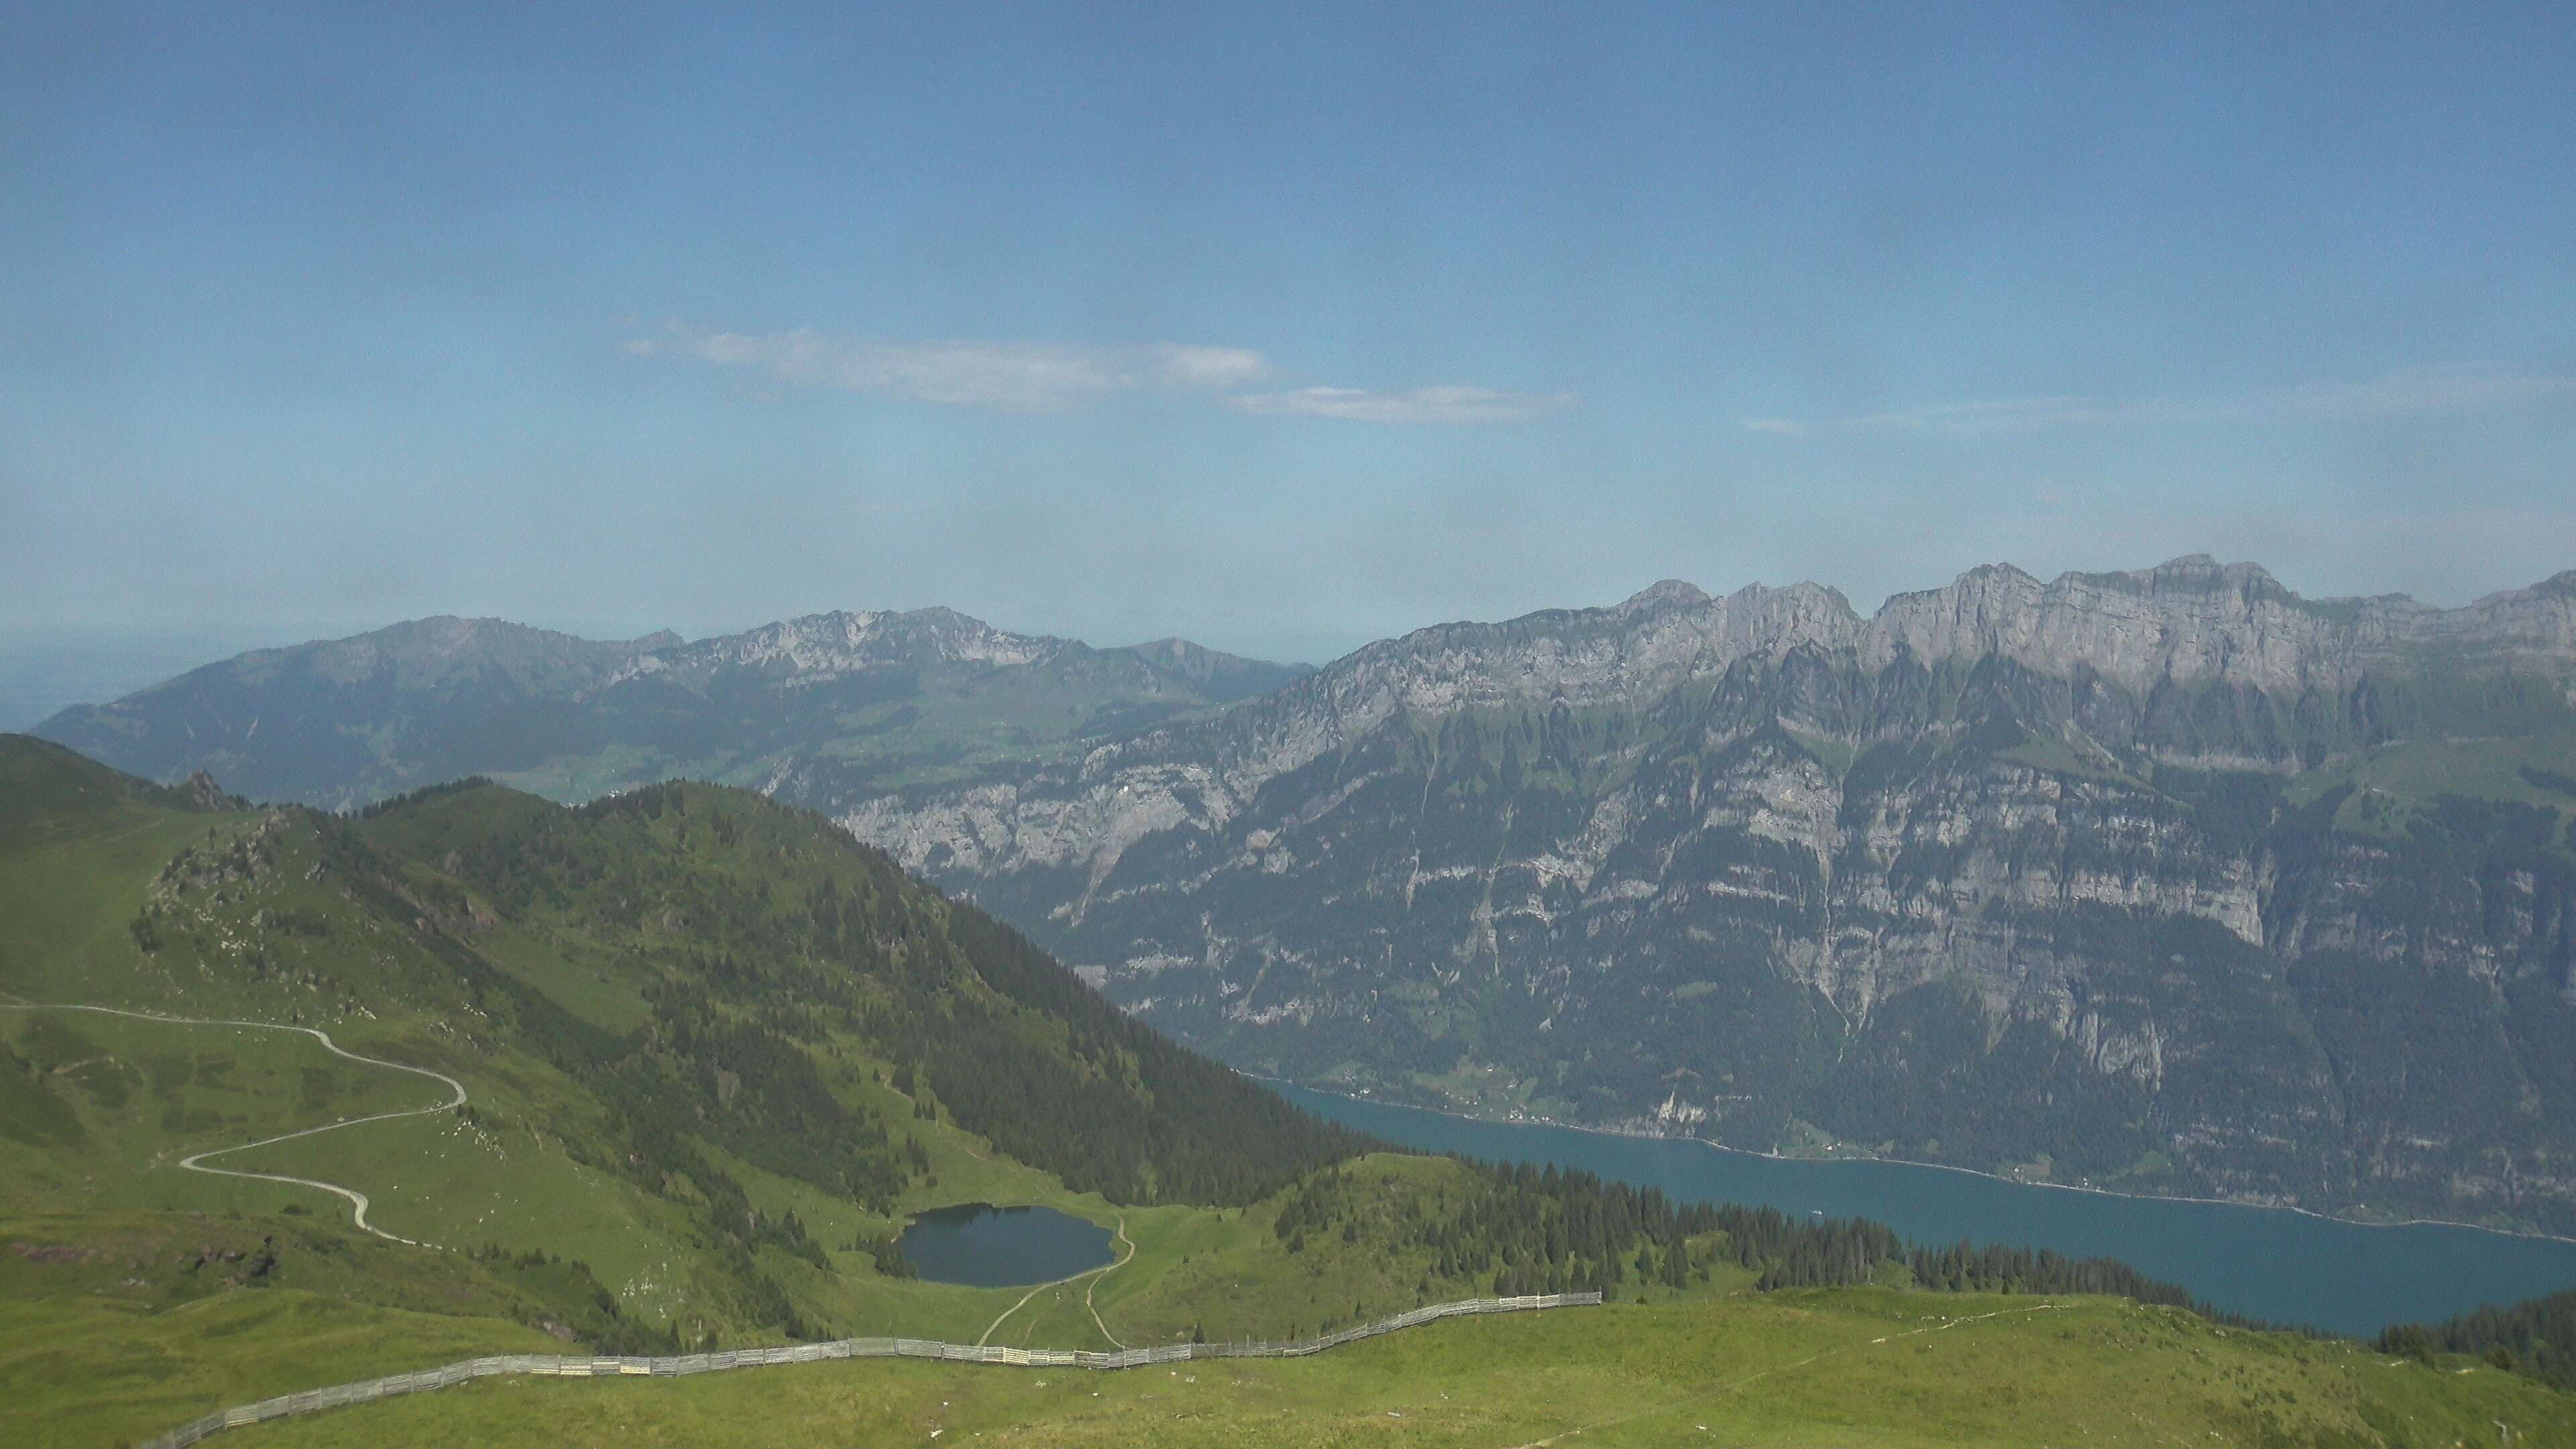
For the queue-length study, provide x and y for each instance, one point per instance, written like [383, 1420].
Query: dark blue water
[2284, 1266]
[985, 1246]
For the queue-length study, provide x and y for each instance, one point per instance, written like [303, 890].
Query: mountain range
[291, 1098]
[2167, 880]
[860, 699]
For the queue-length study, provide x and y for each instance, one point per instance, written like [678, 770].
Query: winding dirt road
[196, 1162]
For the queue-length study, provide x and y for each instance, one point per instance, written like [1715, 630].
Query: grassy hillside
[715, 1056]
[715, 1051]
[1841, 1367]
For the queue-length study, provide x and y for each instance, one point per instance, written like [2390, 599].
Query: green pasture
[1845, 1367]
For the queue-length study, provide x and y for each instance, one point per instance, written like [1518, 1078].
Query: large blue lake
[985, 1246]
[2283, 1266]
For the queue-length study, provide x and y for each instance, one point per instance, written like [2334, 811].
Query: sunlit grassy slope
[702, 1038]
[1849, 1367]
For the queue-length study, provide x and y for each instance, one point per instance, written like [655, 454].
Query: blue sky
[1280, 327]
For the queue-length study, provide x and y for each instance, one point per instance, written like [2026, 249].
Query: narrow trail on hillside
[196, 1162]
[1676, 1405]
[1094, 1284]
[1095, 1274]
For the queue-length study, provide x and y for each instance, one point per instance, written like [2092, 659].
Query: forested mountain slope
[2170, 880]
[683, 1013]
[859, 700]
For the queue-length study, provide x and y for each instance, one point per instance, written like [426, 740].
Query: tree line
[2535, 1338]
[1524, 1228]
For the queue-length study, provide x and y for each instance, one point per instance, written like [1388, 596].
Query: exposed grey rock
[2009, 868]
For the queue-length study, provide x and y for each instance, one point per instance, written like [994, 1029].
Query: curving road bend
[1095, 1274]
[196, 1162]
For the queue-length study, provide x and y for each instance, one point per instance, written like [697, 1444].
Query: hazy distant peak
[1180, 656]
[2558, 585]
[415, 653]
[1219, 677]
[843, 641]
[1823, 601]
[817, 648]
[1666, 593]
[2191, 573]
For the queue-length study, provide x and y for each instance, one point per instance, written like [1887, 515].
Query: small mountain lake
[984, 1246]
[2285, 1266]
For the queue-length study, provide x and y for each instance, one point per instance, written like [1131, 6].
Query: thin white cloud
[1048, 377]
[2397, 394]
[1207, 367]
[1416, 405]
[1057, 377]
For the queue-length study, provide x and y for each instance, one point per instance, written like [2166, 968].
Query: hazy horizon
[44, 671]
[1281, 334]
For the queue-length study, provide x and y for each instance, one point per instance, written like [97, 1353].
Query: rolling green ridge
[711, 1042]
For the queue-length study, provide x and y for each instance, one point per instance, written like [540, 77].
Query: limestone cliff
[2168, 879]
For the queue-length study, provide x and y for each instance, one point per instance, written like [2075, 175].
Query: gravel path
[196, 1162]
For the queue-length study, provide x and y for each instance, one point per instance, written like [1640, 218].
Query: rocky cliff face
[2169, 880]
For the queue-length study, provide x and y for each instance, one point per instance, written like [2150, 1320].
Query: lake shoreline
[1003, 1245]
[1635, 1136]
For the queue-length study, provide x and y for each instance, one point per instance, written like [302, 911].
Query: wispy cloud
[2396, 394]
[1057, 377]
[1416, 405]
[1047, 377]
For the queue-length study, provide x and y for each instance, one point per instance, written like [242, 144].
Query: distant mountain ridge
[2189, 620]
[860, 696]
[2168, 878]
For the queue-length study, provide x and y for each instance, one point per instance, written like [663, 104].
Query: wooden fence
[582, 1366]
